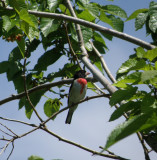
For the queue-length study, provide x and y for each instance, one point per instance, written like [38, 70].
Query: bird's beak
[87, 73]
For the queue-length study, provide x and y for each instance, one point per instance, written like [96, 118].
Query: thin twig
[8, 129]
[11, 151]
[17, 121]
[25, 88]
[70, 46]
[6, 133]
[103, 63]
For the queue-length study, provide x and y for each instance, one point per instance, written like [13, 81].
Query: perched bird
[77, 92]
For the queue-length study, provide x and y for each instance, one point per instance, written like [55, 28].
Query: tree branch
[43, 86]
[82, 147]
[103, 63]
[94, 26]
[17, 121]
[25, 88]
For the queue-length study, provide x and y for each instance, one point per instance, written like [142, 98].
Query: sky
[90, 126]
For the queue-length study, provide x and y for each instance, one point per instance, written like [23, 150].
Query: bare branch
[82, 147]
[8, 129]
[11, 151]
[17, 121]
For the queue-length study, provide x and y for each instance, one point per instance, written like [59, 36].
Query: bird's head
[81, 74]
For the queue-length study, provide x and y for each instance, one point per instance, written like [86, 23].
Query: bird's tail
[69, 117]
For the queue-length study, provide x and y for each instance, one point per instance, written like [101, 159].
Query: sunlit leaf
[51, 106]
[127, 65]
[35, 158]
[49, 25]
[148, 75]
[151, 54]
[118, 24]
[124, 108]
[115, 10]
[53, 4]
[121, 95]
[134, 124]
[153, 22]
[135, 13]
[140, 20]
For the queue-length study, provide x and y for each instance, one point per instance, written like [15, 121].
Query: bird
[77, 92]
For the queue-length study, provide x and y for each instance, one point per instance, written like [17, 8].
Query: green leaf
[118, 24]
[131, 78]
[124, 108]
[153, 22]
[148, 75]
[140, 52]
[4, 66]
[85, 15]
[121, 95]
[98, 38]
[53, 4]
[105, 19]
[64, 9]
[33, 45]
[14, 70]
[156, 65]
[99, 66]
[17, 5]
[21, 45]
[151, 54]
[48, 58]
[7, 23]
[152, 7]
[33, 33]
[30, 19]
[15, 55]
[135, 13]
[148, 103]
[92, 9]
[35, 158]
[129, 127]
[51, 106]
[140, 20]
[49, 25]
[35, 98]
[115, 10]
[126, 66]
[24, 27]
[87, 33]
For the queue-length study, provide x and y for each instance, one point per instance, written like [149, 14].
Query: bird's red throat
[83, 83]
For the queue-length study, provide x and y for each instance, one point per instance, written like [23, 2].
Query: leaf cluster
[139, 103]
[147, 17]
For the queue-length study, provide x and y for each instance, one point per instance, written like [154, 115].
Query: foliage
[60, 41]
